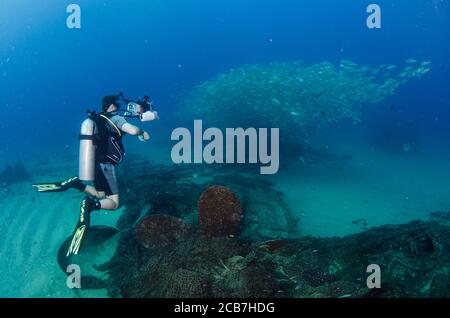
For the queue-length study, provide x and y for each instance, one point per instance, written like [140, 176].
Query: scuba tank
[86, 169]
[98, 143]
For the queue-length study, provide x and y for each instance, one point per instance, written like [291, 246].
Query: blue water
[54, 73]
[49, 76]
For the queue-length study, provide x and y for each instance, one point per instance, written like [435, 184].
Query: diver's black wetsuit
[109, 153]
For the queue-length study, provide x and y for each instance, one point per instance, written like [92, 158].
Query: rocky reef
[161, 230]
[14, 173]
[176, 191]
[220, 212]
[164, 251]
[413, 259]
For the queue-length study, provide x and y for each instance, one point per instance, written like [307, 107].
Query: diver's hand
[144, 136]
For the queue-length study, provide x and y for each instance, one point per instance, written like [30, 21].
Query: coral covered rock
[14, 173]
[186, 284]
[220, 212]
[161, 230]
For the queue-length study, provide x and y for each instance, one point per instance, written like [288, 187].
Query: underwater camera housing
[142, 108]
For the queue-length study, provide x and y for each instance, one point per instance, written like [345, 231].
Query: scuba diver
[101, 149]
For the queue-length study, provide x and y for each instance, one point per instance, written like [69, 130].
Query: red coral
[161, 230]
[220, 212]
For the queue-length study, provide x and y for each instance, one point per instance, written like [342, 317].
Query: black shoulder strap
[88, 137]
[104, 118]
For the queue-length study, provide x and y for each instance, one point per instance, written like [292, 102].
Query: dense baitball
[220, 212]
[161, 230]
[293, 96]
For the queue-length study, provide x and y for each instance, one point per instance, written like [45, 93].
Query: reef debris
[261, 261]
[14, 173]
[413, 258]
[220, 212]
[161, 230]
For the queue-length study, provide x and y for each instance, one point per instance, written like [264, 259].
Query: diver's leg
[87, 206]
[108, 202]
[61, 186]
[106, 195]
[92, 191]
[108, 185]
[100, 184]
[111, 202]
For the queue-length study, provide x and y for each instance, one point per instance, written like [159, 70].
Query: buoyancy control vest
[100, 142]
[109, 140]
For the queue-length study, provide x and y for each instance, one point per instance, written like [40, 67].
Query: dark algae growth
[179, 259]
